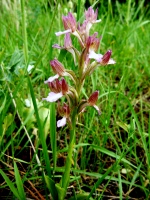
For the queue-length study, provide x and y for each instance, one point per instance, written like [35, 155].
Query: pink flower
[90, 102]
[58, 90]
[69, 22]
[92, 43]
[102, 59]
[67, 45]
[93, 99]
[70, 26]
[58, 69]
[82, 30]
[90, 15]
[91, 18]
[65, 112]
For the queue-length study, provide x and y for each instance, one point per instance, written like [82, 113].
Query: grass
[112, 152]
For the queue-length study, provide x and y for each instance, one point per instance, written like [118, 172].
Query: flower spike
[89, 47]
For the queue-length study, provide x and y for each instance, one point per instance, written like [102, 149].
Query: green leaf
[135, 176]
[44, 114]
[40, 128]
[61, 192]
[19, 183]
[51, 186]
[10, 185]
[7, 121]
[80, 197]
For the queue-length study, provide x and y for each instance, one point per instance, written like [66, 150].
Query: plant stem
[66, 175]
[24, 31]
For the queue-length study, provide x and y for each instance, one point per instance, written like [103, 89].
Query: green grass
[112, 152]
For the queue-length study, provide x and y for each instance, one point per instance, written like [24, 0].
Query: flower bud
[70, 4]
[57, 67]
[64, 86]
[93, 98]
[106, 57]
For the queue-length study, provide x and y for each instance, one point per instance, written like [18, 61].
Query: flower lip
[51, 79]
[52, 96]
[61, 122]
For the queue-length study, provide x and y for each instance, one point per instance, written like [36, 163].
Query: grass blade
[19, 183]
[100, 180]
[10, 185]
[41, 136]
[120, 185]
[53, 133]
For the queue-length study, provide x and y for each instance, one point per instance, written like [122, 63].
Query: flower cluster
[87, 59]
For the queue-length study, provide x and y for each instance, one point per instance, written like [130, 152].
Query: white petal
[52, 78]
[52, 97]
[111, 61]
[97, 21]
[61, 122]
[88, 27]
[27, 103]
[30, 67]
[94, 55]
[63, 32]
[97, 108]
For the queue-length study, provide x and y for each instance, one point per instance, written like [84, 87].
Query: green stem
[66, 175]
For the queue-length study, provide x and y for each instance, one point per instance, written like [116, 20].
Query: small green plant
[86, 61]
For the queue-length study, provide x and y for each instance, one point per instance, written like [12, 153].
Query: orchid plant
[87, 60]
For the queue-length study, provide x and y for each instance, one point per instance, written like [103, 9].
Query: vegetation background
[112, 152]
